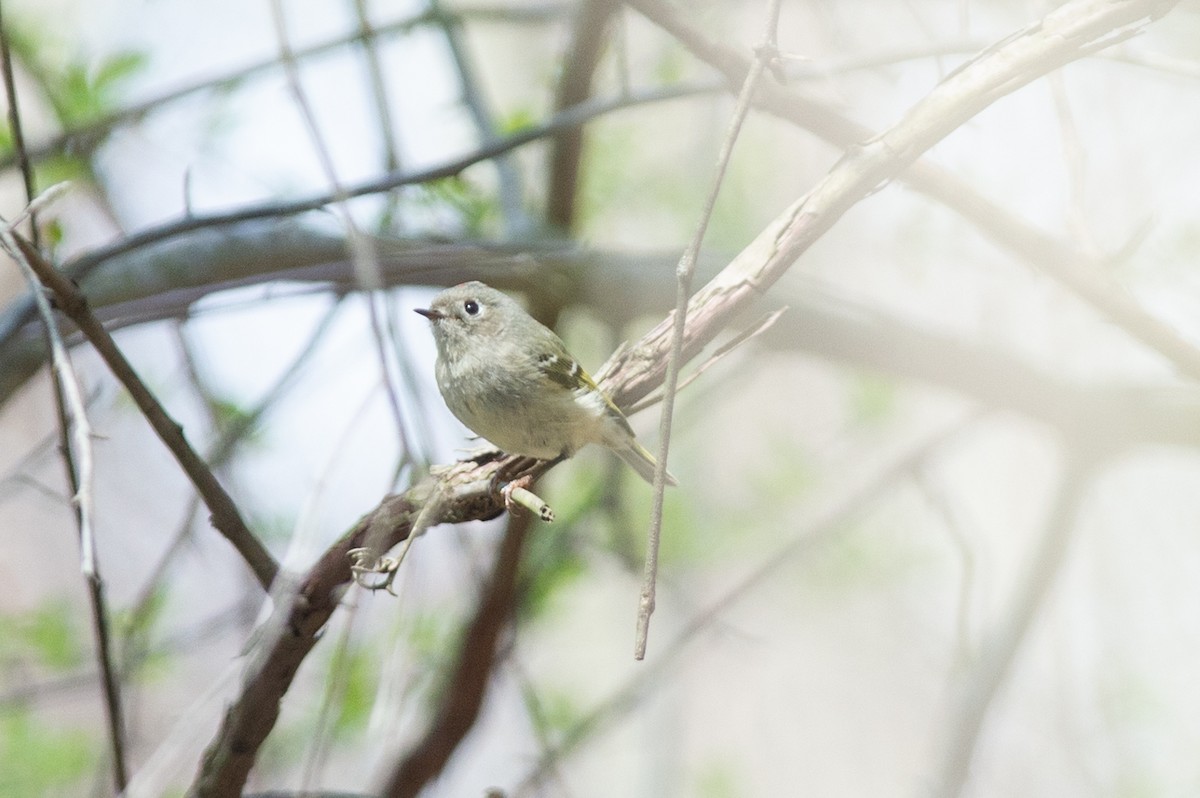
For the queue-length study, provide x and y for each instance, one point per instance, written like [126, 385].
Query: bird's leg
[515, 490]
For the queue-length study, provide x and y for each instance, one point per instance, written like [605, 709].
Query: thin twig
[757, 329]
[362, 251]
[80, 467]
[84, 138]
[764, 55]
[1097, 25]
[217, 455]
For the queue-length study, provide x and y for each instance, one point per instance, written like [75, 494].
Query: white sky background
[849, 663]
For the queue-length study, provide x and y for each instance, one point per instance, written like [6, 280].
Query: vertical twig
[75, 431]
[765, 53]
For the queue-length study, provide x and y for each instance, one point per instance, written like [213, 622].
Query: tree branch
[225, 515]
[589, 34]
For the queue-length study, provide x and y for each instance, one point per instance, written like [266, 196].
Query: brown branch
[225, 515]
[589, 33]
[462, 698]
[228, 759]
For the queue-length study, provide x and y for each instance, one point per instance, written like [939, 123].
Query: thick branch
[465, 495]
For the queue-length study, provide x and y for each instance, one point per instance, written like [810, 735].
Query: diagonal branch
[225, 515]
[1069, 32]
[1072, 268]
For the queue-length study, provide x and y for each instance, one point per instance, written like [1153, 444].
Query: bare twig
[1072, 268]
[85, 138]
[765, 55]
[1071, 31]
[362, 249]
[510, 190]
[217, 455]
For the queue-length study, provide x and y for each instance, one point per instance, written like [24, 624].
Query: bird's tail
[641, 460]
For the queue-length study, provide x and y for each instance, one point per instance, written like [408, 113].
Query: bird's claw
[364, 561]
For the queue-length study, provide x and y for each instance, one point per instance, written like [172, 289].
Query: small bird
[511, 380]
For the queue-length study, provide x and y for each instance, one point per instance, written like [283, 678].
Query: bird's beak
[430, 313]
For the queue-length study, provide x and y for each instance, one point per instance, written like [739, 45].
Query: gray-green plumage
[511, 380]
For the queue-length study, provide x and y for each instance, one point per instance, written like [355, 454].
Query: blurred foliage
[516, 121]
[232, 416]
[716, 779]
[553, 712]
[473, 209]
[39, 759]
[49, 633]
[551, 563]
[872, 399]
[359, 676]
[82, 93]
[79, 91]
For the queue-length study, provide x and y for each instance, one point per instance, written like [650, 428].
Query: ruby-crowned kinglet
[511, 380]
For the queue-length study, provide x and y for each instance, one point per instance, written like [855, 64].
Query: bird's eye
[471, 307]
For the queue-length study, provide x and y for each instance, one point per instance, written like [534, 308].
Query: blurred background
[936, 532]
